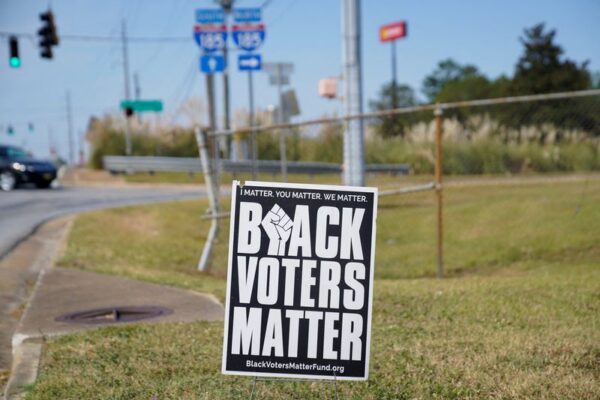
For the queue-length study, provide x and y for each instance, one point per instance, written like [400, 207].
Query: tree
[447, 71]
[542, 69]
[403, 96]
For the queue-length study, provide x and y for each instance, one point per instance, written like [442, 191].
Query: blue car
[18, 167]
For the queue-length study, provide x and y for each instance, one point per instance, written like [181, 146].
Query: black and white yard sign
[300, 281]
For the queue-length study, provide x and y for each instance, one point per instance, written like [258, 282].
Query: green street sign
[142, 105]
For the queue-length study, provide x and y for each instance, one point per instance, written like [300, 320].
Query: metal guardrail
[119, 164]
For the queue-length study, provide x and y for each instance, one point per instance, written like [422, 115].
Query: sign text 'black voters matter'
[300, 281]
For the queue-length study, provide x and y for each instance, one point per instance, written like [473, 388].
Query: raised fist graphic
[278, 226]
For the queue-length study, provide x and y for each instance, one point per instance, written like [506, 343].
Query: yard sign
[300, 281]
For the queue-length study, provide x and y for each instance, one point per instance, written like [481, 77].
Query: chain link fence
[556, 132]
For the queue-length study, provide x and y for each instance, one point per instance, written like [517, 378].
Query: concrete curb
[26, 352]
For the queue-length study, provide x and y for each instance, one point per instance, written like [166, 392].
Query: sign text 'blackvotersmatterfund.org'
[300, 281]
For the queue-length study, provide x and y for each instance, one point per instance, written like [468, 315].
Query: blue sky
[304, 32]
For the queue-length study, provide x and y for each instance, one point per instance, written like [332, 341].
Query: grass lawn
[518, 316]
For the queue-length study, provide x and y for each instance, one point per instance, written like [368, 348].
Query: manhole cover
[115, 315]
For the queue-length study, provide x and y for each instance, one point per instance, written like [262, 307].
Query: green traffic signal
[15, 62]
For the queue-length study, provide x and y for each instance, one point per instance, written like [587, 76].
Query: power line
[94, 38]
[265, 4]
[282, 12]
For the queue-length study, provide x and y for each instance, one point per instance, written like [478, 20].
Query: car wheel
[8, 181]
[43, 185]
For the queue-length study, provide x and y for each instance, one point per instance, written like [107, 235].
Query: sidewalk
[59, 291]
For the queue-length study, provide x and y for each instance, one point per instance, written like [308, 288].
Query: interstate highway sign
[211, 38]
[210, 63]
[248, 37]
[249, 62]
[210, 16]
[246, 15]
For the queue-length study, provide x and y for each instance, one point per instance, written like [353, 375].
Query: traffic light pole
[126, 82]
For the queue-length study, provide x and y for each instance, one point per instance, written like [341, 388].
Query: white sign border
[337, 188]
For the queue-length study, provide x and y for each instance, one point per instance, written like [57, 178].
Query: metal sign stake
[333, 382]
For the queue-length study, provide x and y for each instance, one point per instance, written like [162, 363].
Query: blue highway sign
[246, 15]
[210, 16]
[249, 62]
[211, 37]
[248, 37]
[210, 63]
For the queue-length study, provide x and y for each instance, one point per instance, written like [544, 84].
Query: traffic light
[128, 112]
[14, 61]
[48, 34]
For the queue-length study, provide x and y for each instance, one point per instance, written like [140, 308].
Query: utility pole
[80, 138]
[70, 127]
[354, 163]
[51, 144]
[126, 83]
[280, 117]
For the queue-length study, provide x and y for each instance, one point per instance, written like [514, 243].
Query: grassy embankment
[518, 317]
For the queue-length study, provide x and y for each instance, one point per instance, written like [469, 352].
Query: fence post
[439, 130]
[212, 186]
[283, 153]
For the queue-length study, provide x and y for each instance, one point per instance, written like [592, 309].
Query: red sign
[394, 31]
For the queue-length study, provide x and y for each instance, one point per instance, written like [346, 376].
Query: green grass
[518, 317]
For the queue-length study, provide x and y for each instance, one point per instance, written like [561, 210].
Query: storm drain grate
[115, 315]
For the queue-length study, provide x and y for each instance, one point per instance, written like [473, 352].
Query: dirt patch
[90, 176]
[139, 223]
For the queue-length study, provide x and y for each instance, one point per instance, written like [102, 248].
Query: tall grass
[489, 155]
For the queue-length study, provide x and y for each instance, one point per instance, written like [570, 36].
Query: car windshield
[13, 152]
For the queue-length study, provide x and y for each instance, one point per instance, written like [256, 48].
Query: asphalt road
[23, 210]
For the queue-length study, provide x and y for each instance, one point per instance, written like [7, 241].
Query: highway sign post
[300, 281]
[248, 34]
[210, 34]
[279, 75]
